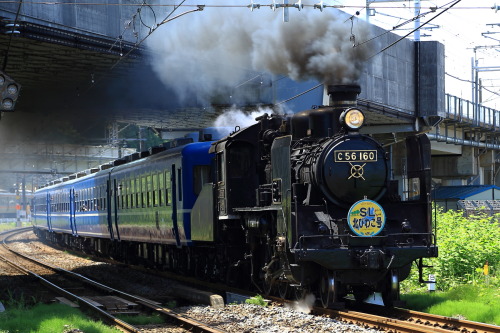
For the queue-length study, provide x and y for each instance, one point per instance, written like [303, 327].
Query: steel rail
[414, 321]
[103, 314]
[195, 325]
[459, 325]
[423, 322]
[81, 301]
[379, 322]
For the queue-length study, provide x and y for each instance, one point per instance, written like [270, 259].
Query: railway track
[390, 320]
[104, 301]
[396, 320]
[407, 321]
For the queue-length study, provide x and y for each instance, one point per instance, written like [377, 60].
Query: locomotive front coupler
[371, 258]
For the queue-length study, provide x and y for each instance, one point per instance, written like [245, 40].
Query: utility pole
[476, 81]
[416, 34]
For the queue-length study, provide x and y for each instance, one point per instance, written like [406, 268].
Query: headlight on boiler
[352, 119]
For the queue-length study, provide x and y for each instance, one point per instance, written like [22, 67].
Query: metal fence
[464, 111]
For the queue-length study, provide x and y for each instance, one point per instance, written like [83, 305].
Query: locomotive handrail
[294, 185]
[349, 237]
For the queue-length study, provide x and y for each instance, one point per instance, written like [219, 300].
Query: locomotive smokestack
[343, 95]
[324, 121]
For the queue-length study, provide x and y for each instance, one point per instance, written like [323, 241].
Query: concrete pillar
[487, 164]
[454, 182]
[461, 166]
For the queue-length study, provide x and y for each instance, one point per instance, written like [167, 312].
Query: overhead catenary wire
[412, 31]
[152, 28]
[200, 7]
[167, 19]
[472, 82]
[396, 27]
[151, 6]
[452, 4]
[359, 7]
[298, 95]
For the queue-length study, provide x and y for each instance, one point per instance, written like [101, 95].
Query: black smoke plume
[216, 49]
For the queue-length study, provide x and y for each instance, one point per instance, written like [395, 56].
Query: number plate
[355, 156]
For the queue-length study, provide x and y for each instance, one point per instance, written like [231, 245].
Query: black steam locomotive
[289, 205]
[317, 207]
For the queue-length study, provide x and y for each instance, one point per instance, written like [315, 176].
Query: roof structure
[460, 192]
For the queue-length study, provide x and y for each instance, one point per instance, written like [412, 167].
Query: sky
[460, 29]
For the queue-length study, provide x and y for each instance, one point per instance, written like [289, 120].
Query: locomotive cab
[239, 167]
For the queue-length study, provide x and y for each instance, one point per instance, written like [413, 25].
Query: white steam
[214, 50]
[305, 305]
[236, 117]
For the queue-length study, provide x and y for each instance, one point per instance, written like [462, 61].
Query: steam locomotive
[290, 205]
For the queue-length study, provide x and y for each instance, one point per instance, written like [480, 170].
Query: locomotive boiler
[289, 205]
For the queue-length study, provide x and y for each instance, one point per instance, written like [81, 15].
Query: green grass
[54, 318]
[142, 319]
[479, 302]
[256, 300]
[7, 226]
[11, 225]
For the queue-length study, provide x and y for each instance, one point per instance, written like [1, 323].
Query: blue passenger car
[144, 198]
[154, 195]
[76, 206]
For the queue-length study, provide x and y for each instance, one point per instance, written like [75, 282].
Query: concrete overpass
[82, 69]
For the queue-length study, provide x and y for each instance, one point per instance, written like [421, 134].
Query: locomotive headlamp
[352, 118]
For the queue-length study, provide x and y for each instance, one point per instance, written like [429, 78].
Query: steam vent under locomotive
[319, 209]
